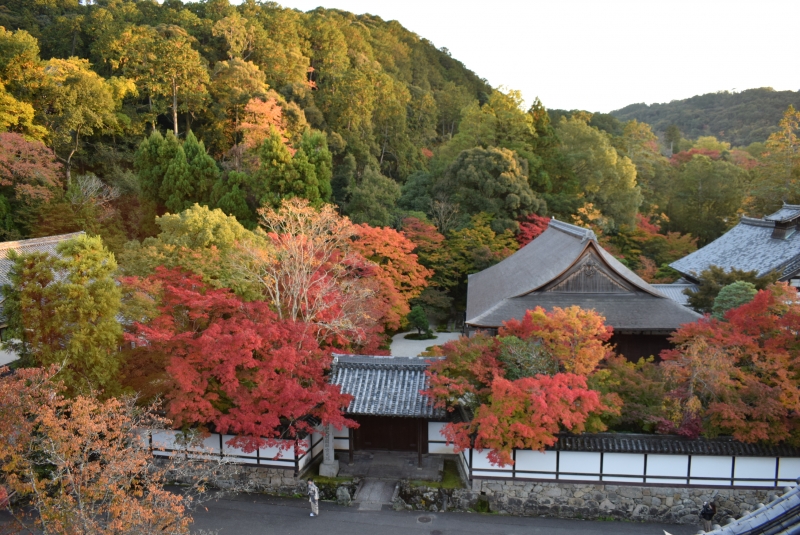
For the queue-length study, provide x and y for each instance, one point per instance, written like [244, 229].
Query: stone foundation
[267, 480]
[586, 501]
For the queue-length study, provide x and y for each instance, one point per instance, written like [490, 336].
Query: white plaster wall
[480, 460]
[624, 464]
[755, 468]
[435, 433]
[582, 462]
[708, 466]
[539, 461]
[788, 471]
[674, 467]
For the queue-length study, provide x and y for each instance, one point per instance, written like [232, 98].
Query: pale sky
[601, 55]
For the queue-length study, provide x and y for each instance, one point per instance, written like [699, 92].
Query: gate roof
[385, 386]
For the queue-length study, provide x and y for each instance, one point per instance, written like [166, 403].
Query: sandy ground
[412, 348]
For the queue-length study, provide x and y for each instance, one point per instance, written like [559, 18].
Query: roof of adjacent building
[385, 386]
[781, 516]
[750, 246]
[530, 277]
[675, 291]
[668, 444]
[789, 212]
[623, 311]
[47, 244]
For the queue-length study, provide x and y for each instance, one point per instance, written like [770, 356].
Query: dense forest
[259, 188]
[119, 112]
[740, 118]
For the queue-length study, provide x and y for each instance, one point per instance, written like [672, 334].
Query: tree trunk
[175, 106]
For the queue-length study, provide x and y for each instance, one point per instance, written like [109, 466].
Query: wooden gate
[390, 433]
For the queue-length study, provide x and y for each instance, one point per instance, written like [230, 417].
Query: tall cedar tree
[235, 366]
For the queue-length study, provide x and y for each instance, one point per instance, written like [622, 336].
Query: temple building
[761, 245]
[565, 266]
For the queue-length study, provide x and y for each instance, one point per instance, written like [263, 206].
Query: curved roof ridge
[756, 222]
[574, 230]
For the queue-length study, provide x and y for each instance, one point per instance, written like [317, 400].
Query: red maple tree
[741, 375]
[235, 366]
[530, 228]
[527, 412]
[400, 275]
[29, 167]
[575, 337]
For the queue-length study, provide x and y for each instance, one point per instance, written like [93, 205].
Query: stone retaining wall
[268, 480]
[587, 501]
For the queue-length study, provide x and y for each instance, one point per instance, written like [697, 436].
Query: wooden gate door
[389, 433]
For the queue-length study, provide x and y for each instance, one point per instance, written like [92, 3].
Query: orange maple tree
[401, 276]
[529, 411]
[575, 337]
[78, 462]
[740, 375]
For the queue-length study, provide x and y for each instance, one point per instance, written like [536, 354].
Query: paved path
[412, 348]
[266, 515]
[374, 494]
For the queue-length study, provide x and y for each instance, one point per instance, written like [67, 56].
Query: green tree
[416, 192]
[672, 137]
[602, 176]
[525, 358]
[176, 185]
[63, 310]
[733, 296]
[150, 166]
[164, 65]
[779, 178]
[372, 198]
[203, 241]
[493, 181]
[75, 102]
[712, 280]
[706, 197]
[234, 84]
[202, 168]
[418, 320]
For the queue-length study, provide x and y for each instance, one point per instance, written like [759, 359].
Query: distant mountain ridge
[739, 118]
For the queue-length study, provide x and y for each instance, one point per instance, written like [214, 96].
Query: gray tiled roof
[675, 291]
[779, 517]
[536, 264]
[623, 311]
[35, 245]
[789, 212]
[668, 444]
[385, 386]
[748, 246]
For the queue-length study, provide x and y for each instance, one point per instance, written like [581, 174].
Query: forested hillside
[120, 112]
[739, 118]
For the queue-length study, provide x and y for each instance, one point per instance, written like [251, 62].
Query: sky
[601, 55]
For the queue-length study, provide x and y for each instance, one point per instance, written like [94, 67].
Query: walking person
[313, 498]
[707, 515]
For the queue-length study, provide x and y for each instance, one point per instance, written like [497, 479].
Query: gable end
[589, 274]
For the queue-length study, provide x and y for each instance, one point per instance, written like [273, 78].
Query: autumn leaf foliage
[575, 337]
[396, 267]
[740, 375]
[75, 461]
[235, 366]
[530, 411]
